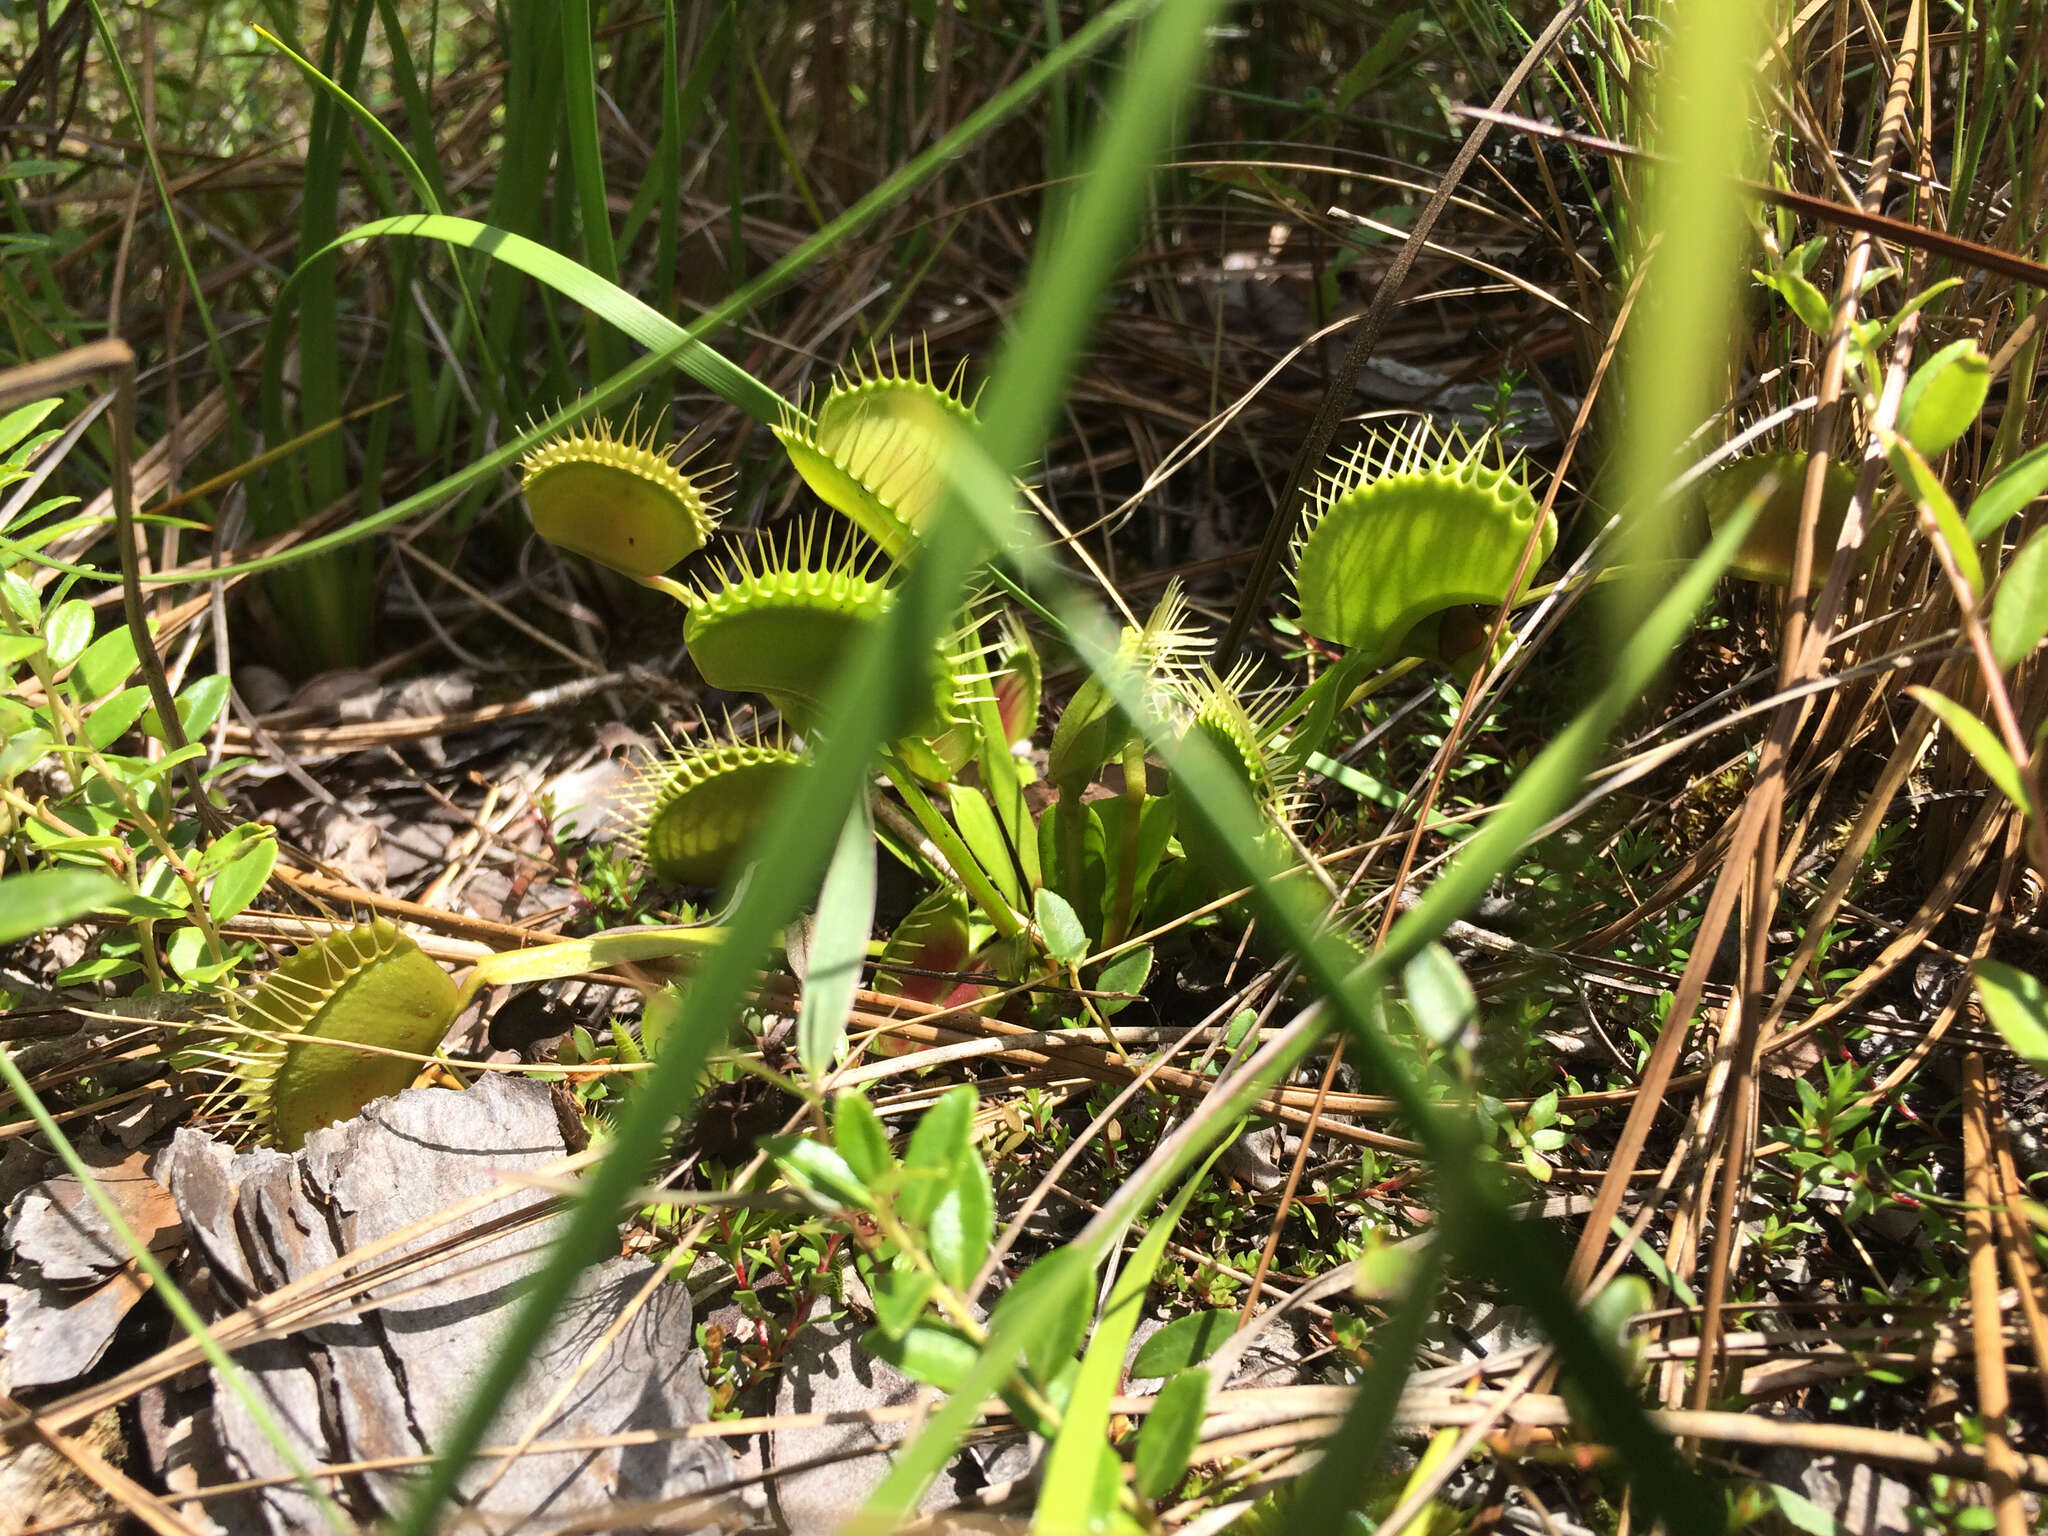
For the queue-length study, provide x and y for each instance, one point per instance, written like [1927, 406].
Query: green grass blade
[578, 283]
[371, 124]
[1072, 1479]
[635, 376]
[1352, 1454]
[667, 180]
[419, 113]
[586, 157]
[216, 352]
[839, 945]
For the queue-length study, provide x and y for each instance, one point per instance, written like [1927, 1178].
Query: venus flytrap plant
[1410, 532]
[870, 446]
[354, 1016]
[1413, 531]
[614, 498]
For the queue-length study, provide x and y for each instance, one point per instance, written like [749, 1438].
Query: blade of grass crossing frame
[1292, 915]
[426, 187]
[668, 165]
[1073, 1483]
[787, 855]
[1674, 362]
[573, 281]
[1352, 1454]
[325, 606]
[839, 945]
[419, 115]
[195, 291]
[532, 109]
[586, 158]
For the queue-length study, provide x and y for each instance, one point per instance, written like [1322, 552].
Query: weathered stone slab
[388, 1380]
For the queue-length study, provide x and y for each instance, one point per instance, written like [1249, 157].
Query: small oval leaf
[1944, 395]
[1064, 1276]
[943, 1138]
[2008, 492]
[1184, 1342]
[1170, 1432]
[858, 1137]
[243, 879]
[1065, 939]
[817, 1166]
[68, 632]
[1981, 744]
[2017, 1005]
[49, 898]
[107, 664]
[963, 1224]
[2019, 610]
[936, 1356]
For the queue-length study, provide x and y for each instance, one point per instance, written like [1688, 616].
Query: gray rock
[825, 1370]
[592, 802]
[57, 1228]
[1861, 1500]
[75, 1284]
[55, 1336]
[389, 1379]
[1483, 1330]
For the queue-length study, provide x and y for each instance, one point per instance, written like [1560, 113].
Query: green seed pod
[616, 500]
[871, 447]
[1766, 551]
[364, 986]
[1407, 528]
[696, 809]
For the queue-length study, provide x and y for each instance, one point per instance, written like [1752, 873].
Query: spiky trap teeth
[780, 622]
[298, 1061]
[1408, 527]
[614, 498]
[870, 448]
[696, 807]
[1162, 655]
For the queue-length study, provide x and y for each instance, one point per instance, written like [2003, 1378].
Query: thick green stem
[669, 586]
[1073, 827]
[1127, 852]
